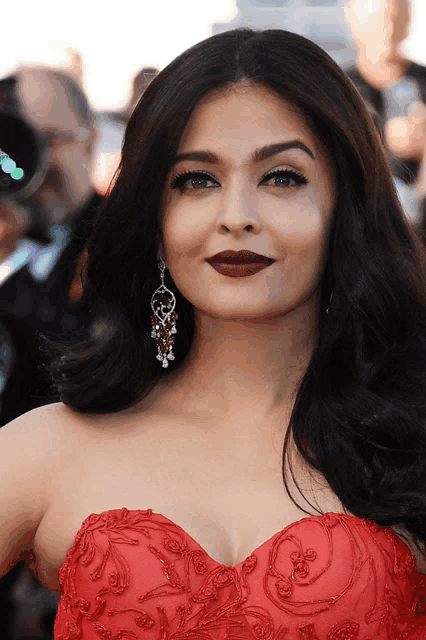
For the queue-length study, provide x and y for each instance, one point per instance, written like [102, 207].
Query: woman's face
[279, 205]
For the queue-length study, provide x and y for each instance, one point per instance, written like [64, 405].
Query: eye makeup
[182, 178]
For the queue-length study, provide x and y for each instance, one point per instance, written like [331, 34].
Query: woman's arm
[24, 447]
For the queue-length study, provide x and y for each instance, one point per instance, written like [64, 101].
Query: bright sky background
[116, 39]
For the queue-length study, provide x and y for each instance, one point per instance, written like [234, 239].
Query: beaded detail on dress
[134, 574]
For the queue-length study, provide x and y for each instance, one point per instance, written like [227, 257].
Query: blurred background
[114, 42]
[105, 45]
[70, 76]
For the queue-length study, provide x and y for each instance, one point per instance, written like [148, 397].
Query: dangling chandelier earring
[164, 319]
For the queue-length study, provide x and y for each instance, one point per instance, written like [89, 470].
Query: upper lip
[239, 256]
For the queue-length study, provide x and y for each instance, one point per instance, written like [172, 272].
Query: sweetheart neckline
[86, 521]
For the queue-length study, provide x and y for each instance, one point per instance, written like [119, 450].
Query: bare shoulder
[32, 430]
[39, 418]
[27, 444]
[38, 430]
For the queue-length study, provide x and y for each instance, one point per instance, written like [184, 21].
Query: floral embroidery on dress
[134, 574]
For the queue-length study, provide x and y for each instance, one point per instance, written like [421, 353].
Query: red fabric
[134, 574]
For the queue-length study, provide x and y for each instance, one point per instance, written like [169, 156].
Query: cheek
[301, 225]
[184, 231]
[303, 233]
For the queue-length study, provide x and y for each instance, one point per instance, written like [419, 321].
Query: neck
[250, 366]
[382, 74]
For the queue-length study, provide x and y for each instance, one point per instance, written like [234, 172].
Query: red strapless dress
[134, 574]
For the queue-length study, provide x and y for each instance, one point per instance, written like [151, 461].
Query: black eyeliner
[180, 179]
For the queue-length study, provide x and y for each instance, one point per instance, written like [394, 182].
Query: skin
[378, 27]
[14, 222]
[254, 335]
[406, 137]
[68, 185]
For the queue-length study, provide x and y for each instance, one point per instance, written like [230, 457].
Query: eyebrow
[257, 156]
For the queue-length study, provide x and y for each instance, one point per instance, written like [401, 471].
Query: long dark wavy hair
[359, 415]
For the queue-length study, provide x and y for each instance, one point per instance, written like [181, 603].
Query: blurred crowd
[69, 153]
[44, 227]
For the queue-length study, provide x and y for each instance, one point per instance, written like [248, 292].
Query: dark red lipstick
[238, 264]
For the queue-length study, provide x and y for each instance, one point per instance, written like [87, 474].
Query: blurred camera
[23, 152]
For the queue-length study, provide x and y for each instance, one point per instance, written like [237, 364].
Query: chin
[239, 314]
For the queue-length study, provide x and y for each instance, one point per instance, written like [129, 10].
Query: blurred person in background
[14, 221]
[43, 293]
[41, 257]
[111, 126]
[74, 66]
[140, 82]
[394, 89]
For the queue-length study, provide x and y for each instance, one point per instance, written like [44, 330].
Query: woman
[308, 357]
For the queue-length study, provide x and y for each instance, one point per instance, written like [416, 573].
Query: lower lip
[239, 269]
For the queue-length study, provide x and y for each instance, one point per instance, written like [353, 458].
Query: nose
[238, 211]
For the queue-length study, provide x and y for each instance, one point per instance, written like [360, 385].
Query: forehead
[45, 101]
[246, 116]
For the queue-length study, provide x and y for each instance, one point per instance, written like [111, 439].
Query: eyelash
[182, 178]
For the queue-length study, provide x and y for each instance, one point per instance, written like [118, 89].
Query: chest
[228, 496]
